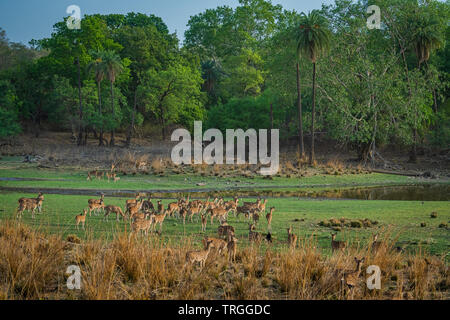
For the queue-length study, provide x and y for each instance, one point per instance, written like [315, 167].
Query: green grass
[71, 179]
[402, 218]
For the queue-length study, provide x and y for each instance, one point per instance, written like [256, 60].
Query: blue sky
[24, 20]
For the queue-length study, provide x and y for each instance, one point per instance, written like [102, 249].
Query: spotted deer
[192, 211]
[337, 245]
[95, 174]
[224, 230]
[292, 238]
[93, 202]
[160, 207]
[159, 219]
[133, 201]
[141, 225]
[350, 279]
[197, 256]
[133, 209]
[148, 204]
[81, 218]
[39, 198]
[29, 205]
[204, 222]
[218, 244]
[231, 248]
[114, 209]
[219, 213]
[96, 206]
[376, 245]
[253, 235]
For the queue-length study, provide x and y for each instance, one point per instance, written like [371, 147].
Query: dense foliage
[253, 66]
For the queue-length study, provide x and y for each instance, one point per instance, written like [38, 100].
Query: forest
[313, 74]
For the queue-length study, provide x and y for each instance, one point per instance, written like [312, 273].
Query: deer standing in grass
[159, 219]
[114, 209]
[29, 205]
[351, 278]
[81, 218]
[204, 222]
[224, 230]
[218, 244]
[337, 245]
[220, 213]
[292, 238]
[197, 256]
[269, 218]
[134, 209]
[95, 202]
[253, 235]
[231, 247]
[141, 225]
[376, 245]
[96, 206]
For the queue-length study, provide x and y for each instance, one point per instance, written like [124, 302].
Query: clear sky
[24, 20]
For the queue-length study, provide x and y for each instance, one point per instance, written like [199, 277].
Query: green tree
[113, 68]
[313, 40]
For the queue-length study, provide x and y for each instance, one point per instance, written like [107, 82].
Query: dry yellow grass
[33, 265]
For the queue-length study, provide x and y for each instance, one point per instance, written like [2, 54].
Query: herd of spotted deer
[144, 216]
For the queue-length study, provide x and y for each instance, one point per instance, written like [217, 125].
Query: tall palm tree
[113, 67]
[99, 68]
[313, 40]
[426, 37]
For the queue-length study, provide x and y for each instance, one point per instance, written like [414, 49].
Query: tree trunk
[271, 116]
[133, 115]
[80, 127]
[112, 142]
[311, 154]
[99, 92]
[301, 145]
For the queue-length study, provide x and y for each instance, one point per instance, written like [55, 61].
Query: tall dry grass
[33, 265]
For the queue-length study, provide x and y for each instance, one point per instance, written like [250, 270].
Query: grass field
[401, 218]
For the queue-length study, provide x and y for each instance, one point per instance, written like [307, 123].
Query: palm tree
[113, 67]
[313, 40]
[99, 68]
[426, 37]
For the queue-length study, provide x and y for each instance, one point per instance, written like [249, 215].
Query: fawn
[194, 210]
[114, 209]
[292, 238]
[81, 218]
[351, 278]
[269, 218]
[197, 256]
[133, 209]
[133, 201]
[337, 245]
